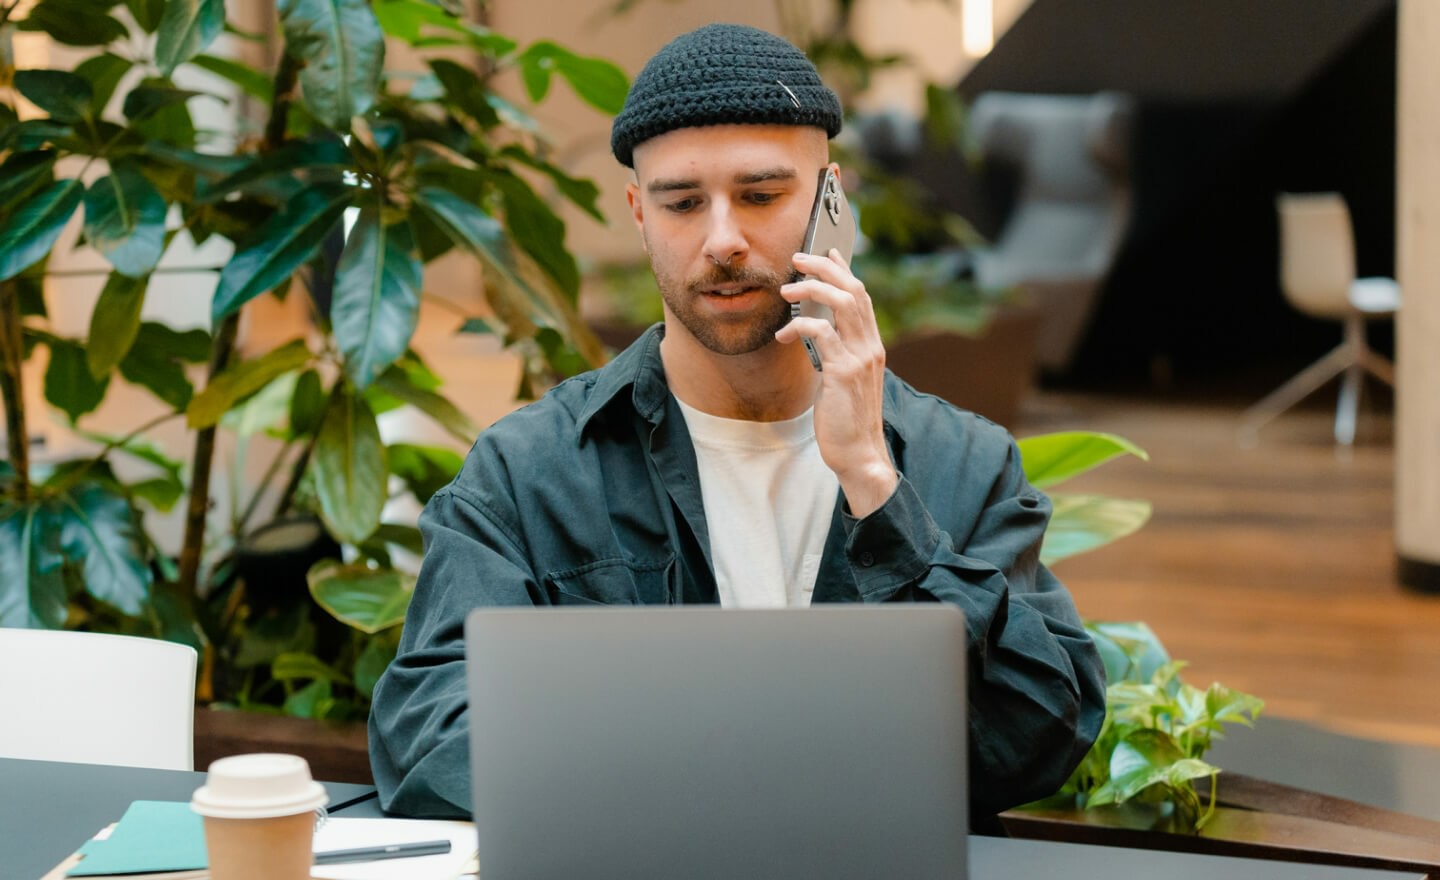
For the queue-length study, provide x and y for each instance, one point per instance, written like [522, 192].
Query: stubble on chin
[743, 334]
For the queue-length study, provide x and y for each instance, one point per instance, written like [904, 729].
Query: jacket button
[867, 559]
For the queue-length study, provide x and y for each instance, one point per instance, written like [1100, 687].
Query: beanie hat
[719, 74]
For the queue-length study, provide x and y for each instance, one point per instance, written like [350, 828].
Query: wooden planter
[1258, 820]
[990, 374]
[337, 752]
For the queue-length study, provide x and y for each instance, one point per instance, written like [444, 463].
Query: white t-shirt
[769, 499]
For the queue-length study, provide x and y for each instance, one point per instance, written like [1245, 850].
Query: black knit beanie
[719, 74]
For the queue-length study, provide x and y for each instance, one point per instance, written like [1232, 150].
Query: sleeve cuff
[893, 545]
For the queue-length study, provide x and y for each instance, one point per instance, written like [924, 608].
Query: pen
[388, 851]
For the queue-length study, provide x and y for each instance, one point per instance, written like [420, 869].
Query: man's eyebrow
[745, 178]
[766, 174]
[671, 185]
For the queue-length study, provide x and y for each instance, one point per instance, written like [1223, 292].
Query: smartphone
[832, 225]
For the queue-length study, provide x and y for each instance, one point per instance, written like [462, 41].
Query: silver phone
[832, 225]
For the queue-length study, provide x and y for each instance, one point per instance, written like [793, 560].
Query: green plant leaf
[397, 383]
[314, 700]
[367, 599]
[536, 67]
[307, 404]
[349, 467]
[465, 90]
[323, 159]
[293, 665]
[115, 322]
[598, 82]
[147, 13]
[103, 72]
[344, 52]
[281, 245]
[74, 23]
[405, 537]
[23, 173]
[68, 382]
[425, 469]
[30, 232]
[583, 193]
[539, 232]
[1052, 458]
[1130, 650]
[242, 380]
[160, 115]
[156, 361]
[1224, 705]
[371, 664]
[186, 29]
[100, 532]
[158, 492]
[32, 584]
[376, 299]
[251, 81]
[125, 220]
[265, 410]
[1146, 758]
[1084, 522]
[145, 101]
[470, 227]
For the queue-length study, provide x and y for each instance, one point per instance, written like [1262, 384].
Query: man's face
[721, 209]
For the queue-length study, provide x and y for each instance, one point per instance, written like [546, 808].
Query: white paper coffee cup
[259, 814]
[258, 786]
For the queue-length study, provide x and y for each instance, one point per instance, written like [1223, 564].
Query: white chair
[96, 699]
[1317, 275]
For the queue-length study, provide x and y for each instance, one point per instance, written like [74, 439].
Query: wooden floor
[1269, 568]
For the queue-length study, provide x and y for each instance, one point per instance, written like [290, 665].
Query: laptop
[695, 742]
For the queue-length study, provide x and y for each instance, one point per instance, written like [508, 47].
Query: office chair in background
[96, 699]
[1317, 275]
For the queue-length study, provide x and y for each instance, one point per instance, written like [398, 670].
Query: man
[710, 462]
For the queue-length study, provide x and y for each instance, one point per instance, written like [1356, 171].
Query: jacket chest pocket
[612, 582]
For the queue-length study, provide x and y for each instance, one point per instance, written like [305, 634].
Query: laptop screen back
[706, 743]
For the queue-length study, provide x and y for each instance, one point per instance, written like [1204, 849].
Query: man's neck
[769, 385]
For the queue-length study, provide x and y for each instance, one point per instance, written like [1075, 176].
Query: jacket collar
[639, 370]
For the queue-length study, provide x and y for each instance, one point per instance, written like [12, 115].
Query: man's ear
[637, 211]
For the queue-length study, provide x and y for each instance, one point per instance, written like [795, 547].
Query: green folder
[151, 837]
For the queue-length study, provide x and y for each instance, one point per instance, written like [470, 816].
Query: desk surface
[1392, 776]
[48, 809]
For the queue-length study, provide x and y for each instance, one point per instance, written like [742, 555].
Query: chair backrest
[1317, 252]
[1073, 201]
[97, 699]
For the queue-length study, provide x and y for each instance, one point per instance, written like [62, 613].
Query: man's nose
[724, 240]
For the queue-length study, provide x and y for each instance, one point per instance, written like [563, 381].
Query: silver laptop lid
[640, 743]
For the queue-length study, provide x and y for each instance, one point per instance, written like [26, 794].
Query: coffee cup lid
[258, 786]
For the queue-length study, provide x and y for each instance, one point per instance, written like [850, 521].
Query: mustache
[747, 275]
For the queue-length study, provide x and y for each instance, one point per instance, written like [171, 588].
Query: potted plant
[1157, 729]
[356, 179]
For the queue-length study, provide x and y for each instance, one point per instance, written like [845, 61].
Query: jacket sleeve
[419, 744]
[1036, 682]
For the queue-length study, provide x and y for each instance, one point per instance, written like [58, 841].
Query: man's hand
[848, 409]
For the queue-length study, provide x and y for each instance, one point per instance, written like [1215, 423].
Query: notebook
[696, 742]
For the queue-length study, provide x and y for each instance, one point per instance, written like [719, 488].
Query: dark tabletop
[1392, 776]
[49, 808]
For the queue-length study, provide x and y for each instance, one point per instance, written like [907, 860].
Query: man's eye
[682, 206]
[763, 198]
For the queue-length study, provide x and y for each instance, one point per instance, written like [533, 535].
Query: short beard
[742, 335]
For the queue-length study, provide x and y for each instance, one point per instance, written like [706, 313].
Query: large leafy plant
[351, 180]
[1157, 728]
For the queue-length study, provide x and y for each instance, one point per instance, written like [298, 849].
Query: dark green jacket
[565, 502]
